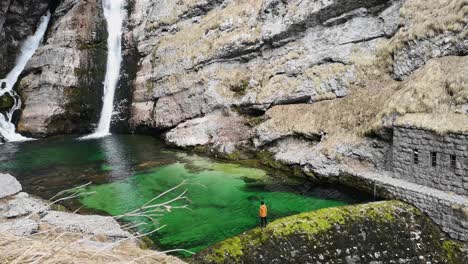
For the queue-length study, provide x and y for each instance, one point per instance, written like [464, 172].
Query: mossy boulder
[380, 232]
[6, 102]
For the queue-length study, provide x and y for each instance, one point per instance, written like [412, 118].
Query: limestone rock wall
[200, 56]
[61, 87]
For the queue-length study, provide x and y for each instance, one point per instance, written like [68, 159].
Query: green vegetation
[310, 223]
[6, 102]
[239, 88]
[454, 252]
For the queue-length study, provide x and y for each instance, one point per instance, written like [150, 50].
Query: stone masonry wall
[443, 176]
[448, 211]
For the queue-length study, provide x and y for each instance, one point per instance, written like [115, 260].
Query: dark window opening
[453, 161]
[415, 156]
[434, 159]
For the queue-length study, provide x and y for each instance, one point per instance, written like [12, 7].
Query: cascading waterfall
[29, 47]
[114, 14]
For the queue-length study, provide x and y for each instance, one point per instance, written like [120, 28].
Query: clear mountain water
[127, 171]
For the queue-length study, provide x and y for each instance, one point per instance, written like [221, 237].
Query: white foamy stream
[114, 14]
[29, 47]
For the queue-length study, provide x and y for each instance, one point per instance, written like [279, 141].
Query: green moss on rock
[455, 252]
[6, 102]
[239, 88]
[369, 232]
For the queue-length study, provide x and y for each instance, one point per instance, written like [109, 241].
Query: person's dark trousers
[263, 221]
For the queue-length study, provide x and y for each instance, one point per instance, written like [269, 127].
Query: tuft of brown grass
[439, 123]
[430, 18]
[439, 88]
[57, 247]
[351, 115]
[218, 29]
[53, 244]
[421, 19]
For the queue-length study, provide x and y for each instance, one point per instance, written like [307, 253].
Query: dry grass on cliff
[440, 88]
[440, 123]
[353, 114]
[430, 18]
[425, 19]
[201, 40]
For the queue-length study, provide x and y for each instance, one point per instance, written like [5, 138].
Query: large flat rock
[22, 205]
[20, 227]
[86, 224]
[8, 185]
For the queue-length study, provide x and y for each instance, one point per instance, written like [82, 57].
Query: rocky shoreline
[31, 221]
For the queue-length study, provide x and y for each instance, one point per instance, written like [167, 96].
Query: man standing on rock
[263, 215]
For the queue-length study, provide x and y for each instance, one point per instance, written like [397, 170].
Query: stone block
[9, 185]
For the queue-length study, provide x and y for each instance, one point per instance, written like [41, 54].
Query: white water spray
[114, 14]
[29, 47]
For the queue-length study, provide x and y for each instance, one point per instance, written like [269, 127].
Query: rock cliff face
[353, 234]
[247, 57]
[18, 20]
[192, 59]
[199, 56]
[61, 87]
[315, 76]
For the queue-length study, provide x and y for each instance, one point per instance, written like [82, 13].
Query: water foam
[29, 47]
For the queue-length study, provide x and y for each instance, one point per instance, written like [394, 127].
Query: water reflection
[117, 163]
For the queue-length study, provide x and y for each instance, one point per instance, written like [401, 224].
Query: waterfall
[29, 47]
[114, 14]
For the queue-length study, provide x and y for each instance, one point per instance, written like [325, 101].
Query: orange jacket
[263, 211]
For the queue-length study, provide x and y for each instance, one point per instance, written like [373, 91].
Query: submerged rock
[381, 232]
[8, 185]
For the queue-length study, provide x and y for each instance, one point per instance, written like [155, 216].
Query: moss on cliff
[6, 102]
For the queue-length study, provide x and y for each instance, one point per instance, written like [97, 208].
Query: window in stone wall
[434, 159]
[453, 161]
[415, 156]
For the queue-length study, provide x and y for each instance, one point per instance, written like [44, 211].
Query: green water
[128, 171]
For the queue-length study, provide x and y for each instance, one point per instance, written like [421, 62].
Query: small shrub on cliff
[239, 88]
